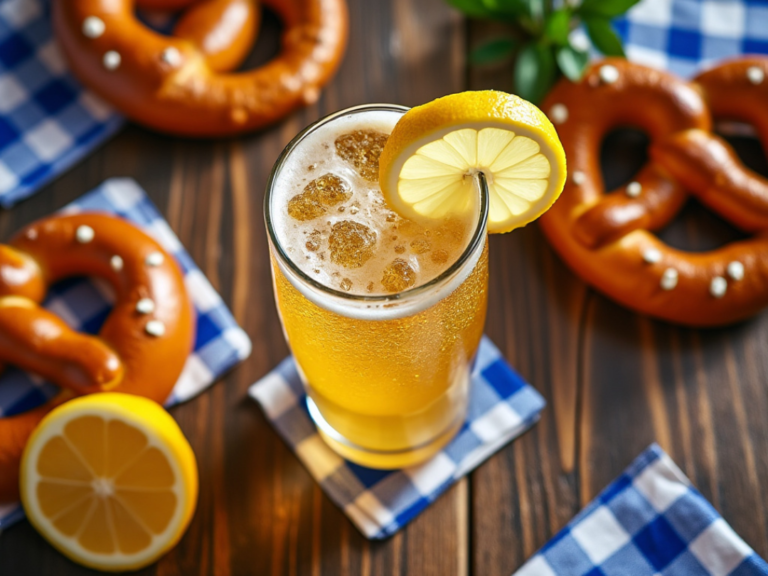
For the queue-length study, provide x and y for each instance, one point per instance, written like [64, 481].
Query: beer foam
[339, 231]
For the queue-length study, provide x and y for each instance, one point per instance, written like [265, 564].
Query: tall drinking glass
[387, 374]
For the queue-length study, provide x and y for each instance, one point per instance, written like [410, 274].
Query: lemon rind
[473, 109]
[164, 435]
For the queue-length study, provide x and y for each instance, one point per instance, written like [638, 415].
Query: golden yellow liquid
[395, 390]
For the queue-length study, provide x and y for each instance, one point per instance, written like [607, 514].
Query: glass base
[388, 460]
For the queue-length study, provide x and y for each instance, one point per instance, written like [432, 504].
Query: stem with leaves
[540, 41]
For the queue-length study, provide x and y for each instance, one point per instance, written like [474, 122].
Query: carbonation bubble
[318, 196]
[313, 244]
[398, 276]
[362, 149]
[351, 244]
[420, 246]
[335, 225]
[439, 256]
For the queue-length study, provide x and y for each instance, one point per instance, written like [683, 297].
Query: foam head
[331, 219]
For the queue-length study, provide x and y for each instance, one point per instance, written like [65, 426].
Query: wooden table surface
[614, 381]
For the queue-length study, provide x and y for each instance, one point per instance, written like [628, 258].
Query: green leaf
[558, 26]
[572, 62]
[534, 72]
[505, 7]
[472, 8]
[605, 8]
[492, 51]
[603, 37]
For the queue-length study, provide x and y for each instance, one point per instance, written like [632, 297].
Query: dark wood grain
[614, 381]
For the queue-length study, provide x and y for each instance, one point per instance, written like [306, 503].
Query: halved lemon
[428, 164]
[109, 480]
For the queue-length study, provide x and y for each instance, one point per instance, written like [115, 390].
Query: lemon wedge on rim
[427, 167]
[109, 480]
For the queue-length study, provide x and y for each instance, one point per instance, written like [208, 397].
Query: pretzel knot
[142, 346]
[607, 237]
[185, 84]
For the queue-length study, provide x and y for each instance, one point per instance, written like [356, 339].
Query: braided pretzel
[183, 84]
[606, 238]
[142, 346]
[705, 164]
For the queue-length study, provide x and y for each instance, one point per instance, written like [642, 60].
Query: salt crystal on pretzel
[607, 237]
[141, 354]
[186, 83]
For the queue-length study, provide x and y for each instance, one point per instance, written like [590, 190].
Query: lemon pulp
[428, 164]
[109, 480]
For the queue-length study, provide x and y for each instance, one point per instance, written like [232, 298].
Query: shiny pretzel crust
[174, 84]
[607, 238]
[125, 356]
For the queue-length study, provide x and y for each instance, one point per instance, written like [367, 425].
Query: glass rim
[478, 236]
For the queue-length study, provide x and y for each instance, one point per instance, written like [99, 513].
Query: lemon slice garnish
[109, 480]
[428, 165]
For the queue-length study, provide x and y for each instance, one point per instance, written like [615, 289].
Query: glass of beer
[383, 314]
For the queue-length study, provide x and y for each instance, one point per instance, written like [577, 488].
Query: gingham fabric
[649, 522]
[220, 343]
[48, 121]
[380, 502]
[685, 35]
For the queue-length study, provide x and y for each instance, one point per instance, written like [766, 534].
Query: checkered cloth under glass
[219, 344]
[380, 502]
[48, 121]
[649, 522]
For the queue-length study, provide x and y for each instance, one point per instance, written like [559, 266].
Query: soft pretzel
[183, 84]
[223, 31]
[705, 164]
[142, 346]
[607, 239]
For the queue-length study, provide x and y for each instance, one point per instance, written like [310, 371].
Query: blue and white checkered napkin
[649, 522]
[48, 121]
[684, 35]
[380, 502]
[220, 343]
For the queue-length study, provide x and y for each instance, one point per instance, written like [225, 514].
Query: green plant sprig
[540, 43]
